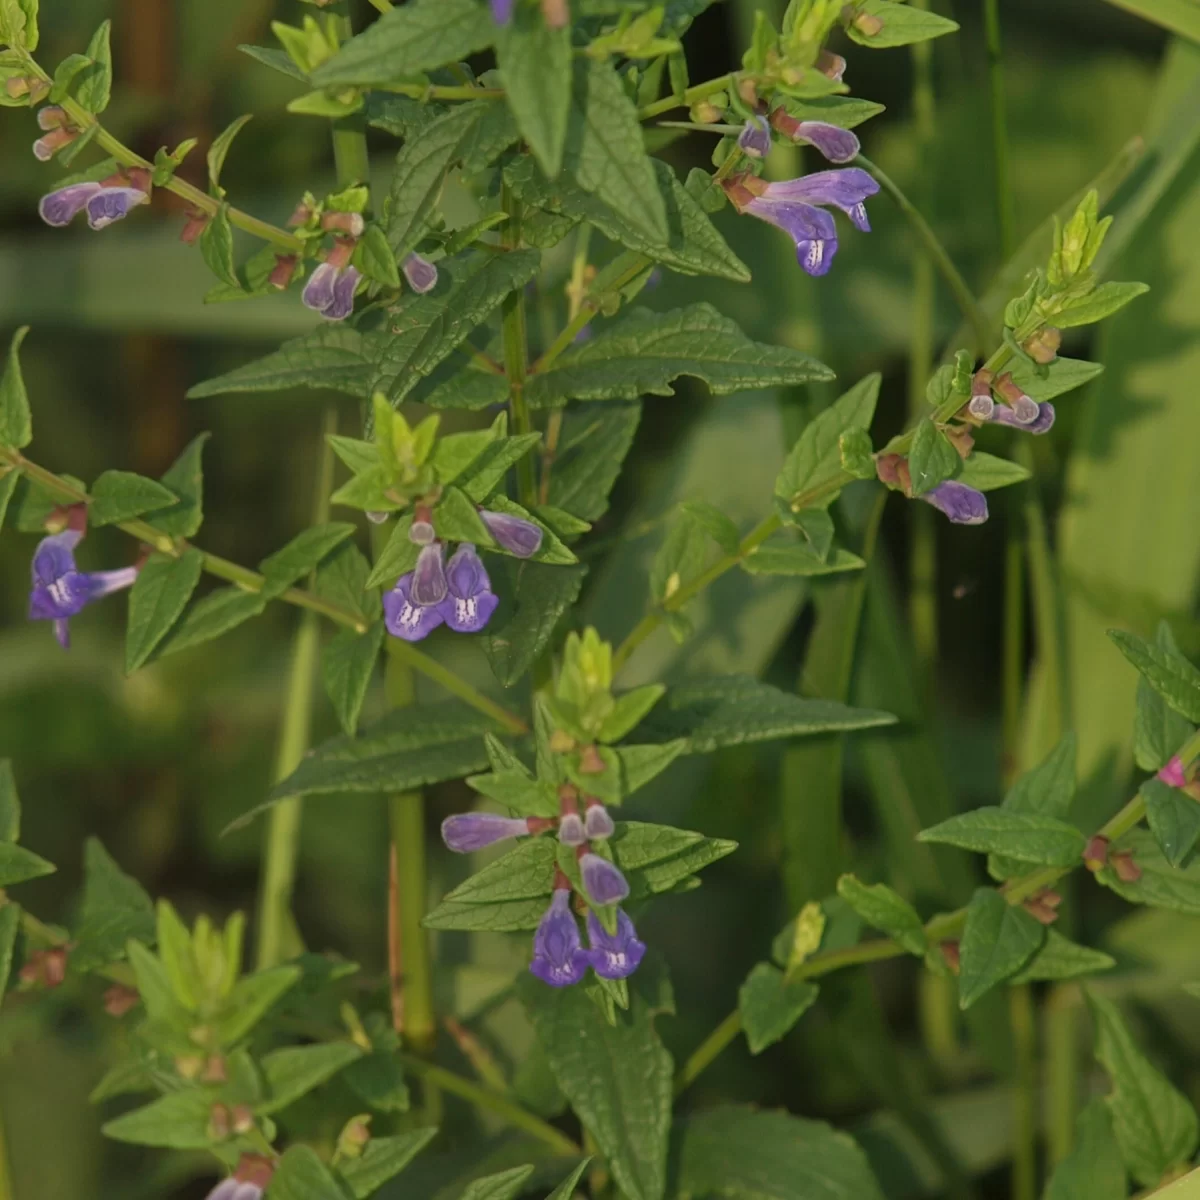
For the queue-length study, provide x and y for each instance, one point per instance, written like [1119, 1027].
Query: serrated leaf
[640, 764]
[295, 1071]
[219, 150]
[176, 1121]
[535, 62]
[16, 423]
[769, 1005]
[1167, 672]
[885, 910]
[1094, 1170]
[347, 664]
[986, 472]
[216, 614]
[715, 523]
[251, 999]
[1173, 817]
[184, 478]
[733, 710]
[998, 940]
[382, 1159]
[408, 40]
[1027, 837]
[1155, 1126]
[1102, 302]
[901, 26]
[301, 1175]
[1060, 958]
[1061, 376]
[541, 595]
[646, 351]
[607, 155]
[300, 556]
[18, 865]
[163, 588]
[341, 578]
[1047, 790]
[216, 247]
[489, 471]
[933, 459]
[470, 389]
[788, 557]
[815, 460]
[115, 909]
[680, 558]
[1158, 731]
[617, 1078]
[93, 85]
[748, 1154]
[121, 495]
[589, 458]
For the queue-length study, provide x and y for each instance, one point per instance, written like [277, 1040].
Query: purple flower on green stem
[104, 203]
[421, 274]
[559, 958]
[755, 138]
[60, 590]
[470, 601]
[603, 881]
[836, 144]
[598, 824]
[614, 955]
[404, 617]
[465, 832]
[330, 290]
[1042, 418]
[964, 505]
[517, 536]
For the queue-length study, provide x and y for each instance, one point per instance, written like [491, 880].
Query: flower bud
[867, 24]
[45, 968]
[555, 13]
[118, 1000]
[355, 1135]
[282, 272]
[219, 1122]
[704, 113]
[1095, 853]
[1126, 869]
[1173, 774]
[214, 1070]
[243, 1118]
[561, 742]
[1043, 346]
[747, 89]
[832, 66]
[343, 222]
[950, 953]
[591, 762]
[194, 226]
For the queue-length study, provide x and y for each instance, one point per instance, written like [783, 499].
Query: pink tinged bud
[1095, 853]
[517, 536]
[282, 272]
[603, 881]
[465, 832]
[45, 148]
[45, 968]
[1127, 870]
[193, 227]
[119, 1000]
[301, 215]
[343, 222]
[1043, 347]
[1173, 774]
[16, 86]
[1042, 907]
[341, 253]
[950, 953]
[420, 533]
[52, 117]
[571, 831]
[981, 407]
[598, 825]
[421, 274]
[832, 66]
[868, 24]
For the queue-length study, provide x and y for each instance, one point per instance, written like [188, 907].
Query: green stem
[482, 1097]
[516, 355]
[693, 95]
[252, 581]
[6, 1187]
[1004, 193]
[1013, 669]
[937, 252]
[1061, 1021]
[1024, 1034]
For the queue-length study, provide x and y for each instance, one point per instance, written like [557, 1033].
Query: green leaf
[1173, 817]
[502, 1186]
[8, 485]
[115, 909]
[216, 247]
[885, 910]
[94, 82]
[680, 558]
[1160, 884]
[769, 1005]
[640, 764]
[933, 459]
[846, 112]
[163, 588]
[347, 665]
[300, 556]
[1027, 837]
[456, 519]
[1045, 791]
[185, 479]
[301, 1175]
[535, 65]
[1155, 1125]
[120, 496]
[490, 469]
[645, 351]
[341, 579]
[986, 472]
[1060, 958]
[16, 423]
[408, 40]
[18, 865]
[566, 1189]
[746, 1154]
[10, 805]
[382, 1159]
[295, 1070]
[786, 557]
[617, 1078]
[629, 710]
[606, 155]
[716, 524]
[1102, 302]
[902, 25]
[1166, 671]
[251, 999]
[1061, 376]
[541, 594]
[176, 1121]
[378, 1078]
[733, 710]
[815, 460]
[219, 150]
[376, 257]
[10, 925]
[1158, 731]
[216, 614]
[1177, 16]
[454, 454]
[590, 454]
[553, 549]
[999, 939]
[1094, 1170]
[470, 389]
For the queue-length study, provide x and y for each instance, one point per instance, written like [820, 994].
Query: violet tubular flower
[421, 274]
[104, 203]
[61, 591]
[465, 832]
[570, 830]
[836, 144]
[404, 617]
[469, 601]
[598, 824]
[962, 504]
[429, 585]
[604, 882]
[330, 290]
[559, 958]
[614, 955]
[755, 138]
[1042, 421]
[517, 536]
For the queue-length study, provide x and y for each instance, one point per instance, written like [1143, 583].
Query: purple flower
[961, 503]
[559, 958]
[836, 144]
[421, 274]
[404, 617]
[104, 204]
[470, 602]
[330, 291]
[232, 1189]
[465, 832]
[845, 189]
[614, 955]
[604, 882]
[1031, 418]
[755, 138]
[982, 406]
[429, 576]
[570, 830]
[598, 825]
[502, 11]
[60, 590]
[517, 536]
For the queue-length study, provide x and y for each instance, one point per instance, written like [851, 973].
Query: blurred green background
[158, 764]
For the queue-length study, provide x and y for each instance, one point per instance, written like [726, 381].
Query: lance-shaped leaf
[184, 478]
[382, 1159]
[1027, 837]
[163, 588]
[1099, 303]
[769, 1005]
[1173, 817]
[115, 909]
[1166, 671]
[216, 614]
[1094, 1170]
[122, 495]
[1159, 884]
[535, 64]
[1060, 958]
[900, 25]
[294, 1071]
[176, 1121]
[886, 911]
[347, 664]
[300, 556]
[986, 472]
[1061, 376]
[785, 556]
[1046, 791]
[1158, 730]
[301, 1175]
[998, 940]
[933, 459]
[16, 423]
